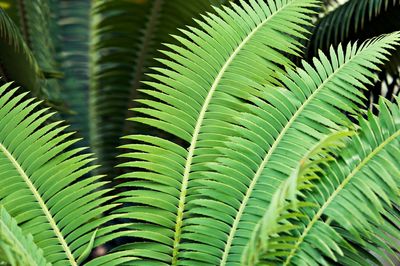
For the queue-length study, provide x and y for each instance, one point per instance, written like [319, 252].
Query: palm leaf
[41, 185]
[284, 205]
[126, 36]
[15, 247]
[234, 52]
[277, 131]
[371, 176]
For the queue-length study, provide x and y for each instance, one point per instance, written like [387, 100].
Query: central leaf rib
[342, 185]
[189, 159]
[42, 205]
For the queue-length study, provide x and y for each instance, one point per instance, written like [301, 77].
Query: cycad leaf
[41, 185]
[228, 59]
[368, 171]
[126, 36]
[277, 131]
[16, 248]
[284, 204]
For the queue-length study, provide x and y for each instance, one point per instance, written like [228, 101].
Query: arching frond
[41, 185]
[16, 248]
[126, 37]
[280, 127]
[284, 205]
[368, 171]
[233, 53]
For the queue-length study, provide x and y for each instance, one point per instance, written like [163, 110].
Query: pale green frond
[16, 248]
[279, 128]
[203, 85]
[266, 237]
[367, 171]
[41, 183]
[126, 38]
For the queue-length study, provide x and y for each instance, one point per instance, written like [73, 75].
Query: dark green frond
[35, 27]
[41, 183]
[356, 19]
[16, 248]
[18, 63]
[368, 171]
[72, 19]
[232, 54]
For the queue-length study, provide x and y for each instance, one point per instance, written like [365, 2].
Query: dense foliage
[263, 132]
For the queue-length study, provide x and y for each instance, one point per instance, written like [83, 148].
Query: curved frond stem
[41, 203]
[342, 185]
[185, 181]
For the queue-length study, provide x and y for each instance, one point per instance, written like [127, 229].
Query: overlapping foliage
[248, 158]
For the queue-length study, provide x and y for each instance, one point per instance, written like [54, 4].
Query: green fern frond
[280, 127]
[227, 59]
[368, 171]
[41, 185]
[16, 248]
[284, 204]
[126, 37]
